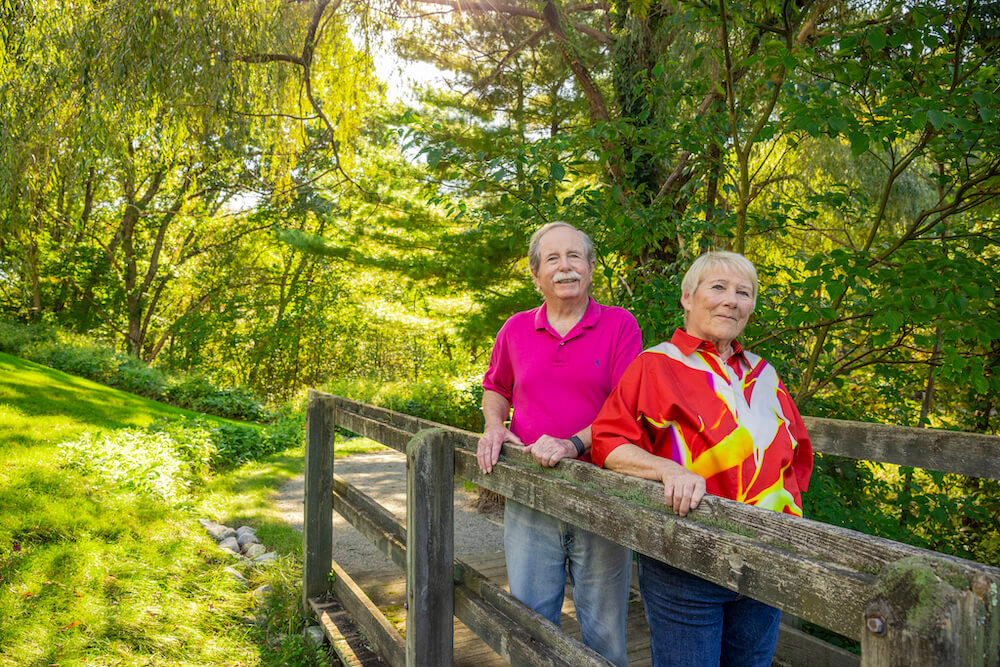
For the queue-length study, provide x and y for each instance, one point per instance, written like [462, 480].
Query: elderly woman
[701, 414]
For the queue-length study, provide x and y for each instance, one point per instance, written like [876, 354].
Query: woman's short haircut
[715, 259]
[534, 254]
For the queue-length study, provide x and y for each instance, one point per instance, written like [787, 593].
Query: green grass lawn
[95, 575]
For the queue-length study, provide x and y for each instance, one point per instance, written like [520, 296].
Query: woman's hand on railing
[682, 489]
[489, 446]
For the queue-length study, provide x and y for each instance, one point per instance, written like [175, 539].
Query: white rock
[247, 537]
[254, 550]
[230, 544]
[266, 558]
[314, 635]
[217, 530]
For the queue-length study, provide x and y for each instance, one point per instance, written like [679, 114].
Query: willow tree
[131, 130]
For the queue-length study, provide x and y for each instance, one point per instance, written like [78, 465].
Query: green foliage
[80, 355]
[455, 402]
[950, 514]
[143, 462]
[99, 569]
[167, 458]
[197, 393]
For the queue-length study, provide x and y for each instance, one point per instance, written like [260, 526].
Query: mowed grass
[91, 575]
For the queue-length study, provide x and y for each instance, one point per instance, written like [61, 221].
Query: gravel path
[382, 475]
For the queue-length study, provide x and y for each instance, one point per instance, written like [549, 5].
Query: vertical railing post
[430, 549]
[317, 523]
[926, 613]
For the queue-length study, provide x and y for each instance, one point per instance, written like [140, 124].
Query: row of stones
[243, 542]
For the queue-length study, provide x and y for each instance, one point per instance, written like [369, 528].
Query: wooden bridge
[905, 605]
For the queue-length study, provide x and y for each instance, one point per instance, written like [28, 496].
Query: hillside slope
[91, 573]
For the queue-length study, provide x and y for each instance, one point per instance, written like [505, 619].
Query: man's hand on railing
[489, 445]
[549, 451]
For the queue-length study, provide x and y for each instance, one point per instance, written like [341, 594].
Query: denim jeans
[693, 622]
[540, 550]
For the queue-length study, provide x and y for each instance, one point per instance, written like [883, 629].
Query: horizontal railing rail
[839, 579]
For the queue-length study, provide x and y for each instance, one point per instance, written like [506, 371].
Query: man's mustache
[566, 275]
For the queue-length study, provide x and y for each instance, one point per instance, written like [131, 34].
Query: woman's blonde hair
[719, 258]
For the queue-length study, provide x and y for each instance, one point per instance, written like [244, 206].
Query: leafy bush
[134, 376]
[17, 337]
[455, 402]
[165, 459]
[147, 462]
[197, 393]
[79, 355]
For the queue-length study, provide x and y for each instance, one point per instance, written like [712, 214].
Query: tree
[133, 126]
[851, 151]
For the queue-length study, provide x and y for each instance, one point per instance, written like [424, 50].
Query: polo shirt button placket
[559, 357]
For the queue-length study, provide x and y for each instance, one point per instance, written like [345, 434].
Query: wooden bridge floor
[387, 589]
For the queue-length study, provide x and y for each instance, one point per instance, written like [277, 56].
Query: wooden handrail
[846, 581]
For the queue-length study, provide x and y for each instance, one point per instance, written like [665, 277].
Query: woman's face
[719, 307]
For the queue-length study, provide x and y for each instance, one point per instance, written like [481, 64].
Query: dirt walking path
[382, 475]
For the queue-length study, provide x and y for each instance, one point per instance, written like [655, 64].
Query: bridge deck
[387, 589]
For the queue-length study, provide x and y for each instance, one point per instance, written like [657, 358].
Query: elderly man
[556, 365]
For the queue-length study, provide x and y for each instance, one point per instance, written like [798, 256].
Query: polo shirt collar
[687, 344]
[589, 320]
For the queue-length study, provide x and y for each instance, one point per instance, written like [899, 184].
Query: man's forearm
[496, 409]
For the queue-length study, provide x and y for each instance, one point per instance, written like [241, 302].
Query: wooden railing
[905, 605]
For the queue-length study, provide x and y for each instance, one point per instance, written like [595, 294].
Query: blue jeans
[540, 550]
[693, 622]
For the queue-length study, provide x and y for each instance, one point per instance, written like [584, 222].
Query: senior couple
[698, 413]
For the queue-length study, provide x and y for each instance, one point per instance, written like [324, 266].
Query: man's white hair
[534, 254]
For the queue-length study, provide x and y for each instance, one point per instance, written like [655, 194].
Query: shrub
[147, 462]
[15, 338]
[455, 401]
[79, 355]
[134, 376]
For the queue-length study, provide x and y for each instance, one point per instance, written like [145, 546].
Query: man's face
[564, 273]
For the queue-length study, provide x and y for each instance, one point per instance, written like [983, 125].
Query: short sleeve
[499, 375]
[618, 422]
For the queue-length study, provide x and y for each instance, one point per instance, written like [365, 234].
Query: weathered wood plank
[317, 534]
[385, 530]
[833, 544]
[835, 556]
[858, 556]
[372, 520]
[516, 614]
[348, 642]
[430, 549]
[824, 593]
[925, 614]
[388, 643]
[798, 649]
[972, 454]
[511, 641]
[381, 432]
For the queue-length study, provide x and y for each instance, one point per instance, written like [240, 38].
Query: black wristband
[578, 443]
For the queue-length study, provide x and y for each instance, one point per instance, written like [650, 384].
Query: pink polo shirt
[557, 384]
